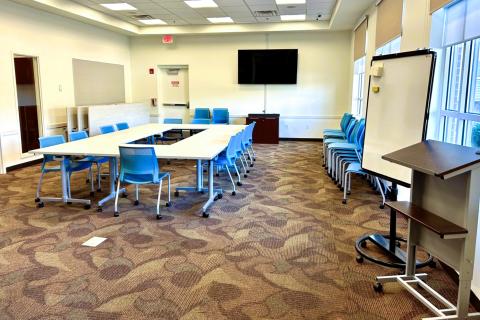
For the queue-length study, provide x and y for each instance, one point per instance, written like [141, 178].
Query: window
[358, 81]
[389, 47]
[457, 37]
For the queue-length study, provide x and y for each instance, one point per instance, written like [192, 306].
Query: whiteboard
[397, 115]
[134, 114]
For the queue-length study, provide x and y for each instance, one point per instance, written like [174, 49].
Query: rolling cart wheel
[116, 214]
[159, 217]
[378, 287]
[359, 259]
[87, 207]
[432, 264]
[363, 244]
[233, 193]
[205, 214]
[136, 203]
[398, 243]
[176, 194]
[37, 199]
[99, 209]
[239, 184]
[220, 196]
[40, 205]
[344, 201]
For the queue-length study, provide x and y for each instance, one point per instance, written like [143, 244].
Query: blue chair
[107, 129]
[247, 143]
[250, 128]
[220, 116]
[98, 161]
[70, 166]
[338, 133]
[201, 113]
[139, 165]
[226, 159]
[348, 132]
[122, 126]
[200, 121]
[172, 121]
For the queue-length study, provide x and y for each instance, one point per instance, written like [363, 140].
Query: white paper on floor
[93, 242]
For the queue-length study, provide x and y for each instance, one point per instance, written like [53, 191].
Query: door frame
[38, 96]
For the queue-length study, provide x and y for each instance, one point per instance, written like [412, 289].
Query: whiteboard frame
[427, 103]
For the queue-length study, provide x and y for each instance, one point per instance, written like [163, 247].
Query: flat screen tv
[276, 66]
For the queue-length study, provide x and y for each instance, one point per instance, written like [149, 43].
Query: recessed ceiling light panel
[292, 17]
[201, 4]
[290, 1]
[220, 20]
[152, 21]
[120, 6]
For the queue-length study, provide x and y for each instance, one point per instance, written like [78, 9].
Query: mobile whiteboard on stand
[398, 104]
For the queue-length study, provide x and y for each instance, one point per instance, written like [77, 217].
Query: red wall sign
[175, 83]
[167, 39]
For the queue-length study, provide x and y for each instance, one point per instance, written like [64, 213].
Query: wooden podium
[266, 127]
[442, 218]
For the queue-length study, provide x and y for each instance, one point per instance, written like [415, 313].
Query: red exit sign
[167, 39]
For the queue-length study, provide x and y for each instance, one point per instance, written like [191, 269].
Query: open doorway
[28, 101]
[173, 91]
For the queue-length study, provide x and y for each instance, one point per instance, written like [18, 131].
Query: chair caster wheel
[349, 193]
[87, 181]
[205, 214]
[341, 188]
[217, 175]
[37, 199]
[432, 264]
[254, 159]
[124, 195]
[359, 259]
[40, 205]
[363, 244]
[378, 287]
[382, 206]
[136, 203]
[248, 171]
[168, 204]
[220, 196]
[239, 184]
[116, 214]
[99, 209]
[344, 201]
[398, 244]
[233, 193]
[251, 165]
[176, 194]
[92, 193]
[69, 202]
[87, 207]
[216, 198]
[245, 176]
[99, 190]
[159, 217]
[104, 178]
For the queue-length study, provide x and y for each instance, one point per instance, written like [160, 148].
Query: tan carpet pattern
[282, 248]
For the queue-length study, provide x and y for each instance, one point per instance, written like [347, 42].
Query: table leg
[212, 193]
[112, 164]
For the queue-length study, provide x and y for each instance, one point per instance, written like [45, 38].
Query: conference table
[205, 145]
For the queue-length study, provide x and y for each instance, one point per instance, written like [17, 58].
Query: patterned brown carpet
[282, 248]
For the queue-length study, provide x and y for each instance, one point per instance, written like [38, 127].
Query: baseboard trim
[474, 300]
[23, 165]
[302, 139]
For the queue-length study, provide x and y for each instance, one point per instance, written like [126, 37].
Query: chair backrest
[172, 121]
[200, 121]
[350, 128]
[107, 129]
[345, 121]
[221, 115]
[122, 126]
[238, 142]
[138, 162]
[231, 153]
[78, 135]
[250, 127]
[49, 141]
[202, 113]
[359, 126]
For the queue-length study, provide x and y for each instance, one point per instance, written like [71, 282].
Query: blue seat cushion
[142, 178]
[342, 145]
[355, 167]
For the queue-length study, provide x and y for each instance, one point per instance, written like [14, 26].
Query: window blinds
[437, 4]
[389, 21]
[360, 40]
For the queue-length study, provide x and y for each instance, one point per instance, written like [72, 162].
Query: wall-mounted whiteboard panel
[134, 114]
[98, 82]
[397, 114]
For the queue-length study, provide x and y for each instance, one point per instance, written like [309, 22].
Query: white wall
[317, 101]
[56, 41]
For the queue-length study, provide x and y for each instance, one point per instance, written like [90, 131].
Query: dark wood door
[29, 127]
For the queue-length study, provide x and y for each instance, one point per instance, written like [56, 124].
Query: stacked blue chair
[98, 161]
[139, 166]
[352, 125]
[334, 133]
[107, 129]
[70, 165]
[220, 116]
[122, 126]
[202, 113]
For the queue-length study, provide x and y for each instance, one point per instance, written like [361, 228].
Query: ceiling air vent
[265, 13]
[142, 16]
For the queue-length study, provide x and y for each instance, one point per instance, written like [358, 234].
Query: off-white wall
[56, 41]
[320, 97]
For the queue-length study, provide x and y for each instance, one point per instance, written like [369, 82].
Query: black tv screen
[277, 66]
